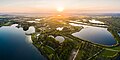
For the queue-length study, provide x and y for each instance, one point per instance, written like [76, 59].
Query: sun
[60, 9]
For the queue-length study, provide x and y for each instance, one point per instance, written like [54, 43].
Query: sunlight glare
[60, 9]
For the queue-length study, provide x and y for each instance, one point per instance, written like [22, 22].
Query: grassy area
[49, 49]
[116, 48]
[78, 55]
[52, 48]
[8, 23]
[108, 53]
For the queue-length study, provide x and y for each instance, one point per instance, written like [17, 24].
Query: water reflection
[29, 39]
[14, 46]
[95, 21]
[60, 38]
[119, 34]
[60, 28]
[95, 34]
[31, 30]
[14, 25]
[85, 26]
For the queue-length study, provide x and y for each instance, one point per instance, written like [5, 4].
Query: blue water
[96, 35]
[13, 45]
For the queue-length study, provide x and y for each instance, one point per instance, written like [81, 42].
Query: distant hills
[48, 14]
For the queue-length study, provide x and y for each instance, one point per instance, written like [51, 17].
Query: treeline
[52, 49]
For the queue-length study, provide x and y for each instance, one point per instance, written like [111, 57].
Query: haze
[50, 6]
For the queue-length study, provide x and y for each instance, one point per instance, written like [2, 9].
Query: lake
[97, 35]
[60, 38]
[15, 46]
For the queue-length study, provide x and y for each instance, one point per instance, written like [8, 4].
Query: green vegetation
[108, 53]
[82, 49]
[87, 51]
[6, 22]
[72, 47]
[52, 49]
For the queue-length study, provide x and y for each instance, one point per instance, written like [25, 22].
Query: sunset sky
[70, 6]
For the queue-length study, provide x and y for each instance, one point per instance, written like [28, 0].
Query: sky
[50, 6]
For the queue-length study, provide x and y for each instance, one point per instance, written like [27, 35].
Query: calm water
[14, 46]
[95, 34]
[60, 38]
[119, 34]
[30, 30]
